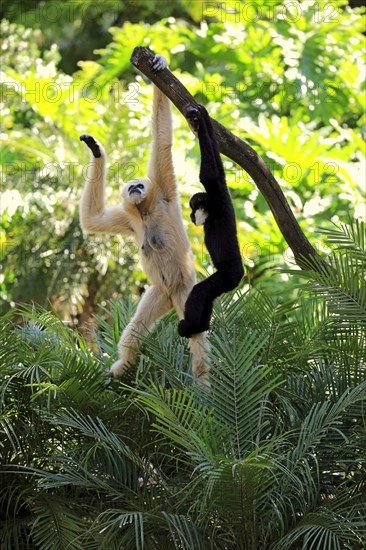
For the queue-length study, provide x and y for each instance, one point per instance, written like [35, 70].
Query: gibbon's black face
[136, 189]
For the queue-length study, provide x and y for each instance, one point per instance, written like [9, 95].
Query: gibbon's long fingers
[192, 116]
[159, 63]
[92, 144]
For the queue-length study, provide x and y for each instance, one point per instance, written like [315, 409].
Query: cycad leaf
[56, 527]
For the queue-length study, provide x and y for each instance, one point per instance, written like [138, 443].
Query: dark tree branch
[241, 153]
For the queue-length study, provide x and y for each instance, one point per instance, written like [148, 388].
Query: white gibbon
[151, 212]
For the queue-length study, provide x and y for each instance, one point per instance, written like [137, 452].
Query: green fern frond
[183, 421]
[349, 237]
[326, 529]
[56, 526]
[239, 397]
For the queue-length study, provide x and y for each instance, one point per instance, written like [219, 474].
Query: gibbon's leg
[199, 346]
[197, 312]
[198, 308]
[153, 304]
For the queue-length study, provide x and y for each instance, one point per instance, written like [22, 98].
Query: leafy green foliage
[81, 27]
[273, 456]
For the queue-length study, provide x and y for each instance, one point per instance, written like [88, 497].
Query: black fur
[92, 144]
[220, 230]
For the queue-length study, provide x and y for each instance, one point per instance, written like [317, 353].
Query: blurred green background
[286, 77]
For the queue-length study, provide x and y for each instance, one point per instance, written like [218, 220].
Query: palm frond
[342, 287]
[112, 319]
[240, 391]
[183, 421]
[273, 455]
[56, 526]
[121, 527]
[166, 357]
[184, 533]
[326, 529]
[349, 237]
[102, 451]
[139, 530]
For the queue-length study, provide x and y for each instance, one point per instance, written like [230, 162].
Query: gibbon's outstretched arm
[212, 173]
[94, 216]
[215, 210]
[160, 168]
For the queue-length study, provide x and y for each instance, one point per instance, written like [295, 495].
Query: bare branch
[241, 153]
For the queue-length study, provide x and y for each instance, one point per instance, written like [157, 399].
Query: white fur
[159, 63]
[200, 216]
[155, 219]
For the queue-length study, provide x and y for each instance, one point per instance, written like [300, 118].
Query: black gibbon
[214, 210]
[150, 211]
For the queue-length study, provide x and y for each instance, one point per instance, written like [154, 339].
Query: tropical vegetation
[273, 456]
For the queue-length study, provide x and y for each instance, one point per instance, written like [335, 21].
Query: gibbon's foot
[183, 329]
[203, 382]
[193, 117]
[187, 329]
[92, 144]
[200, 350]
[117, 369]
[159, 63]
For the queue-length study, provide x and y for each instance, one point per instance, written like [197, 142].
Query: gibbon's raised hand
[214, 210]
[150, 211]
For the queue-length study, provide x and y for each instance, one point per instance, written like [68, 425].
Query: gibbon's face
[135, 191]
[199, 216]
[198, 205]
